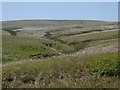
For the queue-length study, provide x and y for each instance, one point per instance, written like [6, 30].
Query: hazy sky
[107, 11]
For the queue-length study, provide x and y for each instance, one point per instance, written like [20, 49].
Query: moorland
[60, 54]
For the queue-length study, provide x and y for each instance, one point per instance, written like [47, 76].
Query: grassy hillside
[72, 72]
[61, 53]
[16, 48]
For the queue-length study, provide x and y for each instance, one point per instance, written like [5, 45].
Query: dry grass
[94, 36]
[72, 72]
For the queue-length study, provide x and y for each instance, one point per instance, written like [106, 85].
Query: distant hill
[48, 23]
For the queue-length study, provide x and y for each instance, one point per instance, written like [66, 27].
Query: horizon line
[63, 19]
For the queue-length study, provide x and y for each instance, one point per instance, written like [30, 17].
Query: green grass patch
[105, 65]
[78, 45]
[16, 48]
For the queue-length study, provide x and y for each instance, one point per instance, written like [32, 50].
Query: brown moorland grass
[94, 36]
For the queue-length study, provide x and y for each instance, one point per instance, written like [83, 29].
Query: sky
[105, 11]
